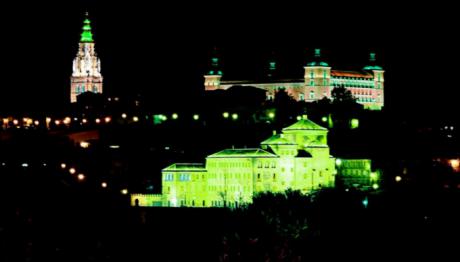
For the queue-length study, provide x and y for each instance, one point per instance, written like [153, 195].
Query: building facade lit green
[298, 158]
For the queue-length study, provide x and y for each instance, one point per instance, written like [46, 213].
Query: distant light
[72, 170]
[66, 120]
[15, 122]
[299, 118]
[36, 122]
[81, 177]
[57, 122]
[104, 185]
[124, 191]
[84, 144]
[107, 119]
[44, 164]
[25, 165]
[354, 123]
[455, 163]
[163, 117]
[324, 119]
[373, 175]
[225, 114]
[3, 164]
[365, 202]
[135, 118]
[196, 117]
[271, 115]
[124, 116]
[98, 121]
[75, 119]
[166, 147]
[398, 178]
[375, 186]
[48, 120]
[63, 165]
[451, 128]
[338, 161]
[114, 146]
[175, 116]
[234, 116]
[84, 121]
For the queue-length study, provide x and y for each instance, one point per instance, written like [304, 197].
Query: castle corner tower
[86, 71]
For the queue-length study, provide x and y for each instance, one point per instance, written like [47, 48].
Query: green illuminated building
[297, 159]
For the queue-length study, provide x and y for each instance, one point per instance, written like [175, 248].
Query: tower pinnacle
[86, 35]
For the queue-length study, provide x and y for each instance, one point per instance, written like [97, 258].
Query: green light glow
[271, 115]
[175, 116]
[338, 162]
[225, 114]
[235, 116]
[375, 186]
[354, 123]
[299, 117]
[196, 117]
[365, 202]
[324, 119]
[86, 35]
[298, 159]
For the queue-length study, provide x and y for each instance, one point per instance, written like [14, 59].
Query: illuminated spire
[215, 65]
[372, 63]
[86, 35]
[317, 59]
[271, 65]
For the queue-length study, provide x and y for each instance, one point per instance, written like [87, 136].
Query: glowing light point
[72, 170]
[63, 165]
[135, 119]
[196, 117]
[375, 186]
[365, 202]
[398, 178]
[124, 116]
[235, 116]
[373, 175]
[124, 191]
[354, 123]
[57, 122]
[98, 121]
[15, 122]
[84, 144]
[104, 185]
[81, 177]
[324, 119]
[107, 119]
[36, 122]
[84, 121]
[299, 118]
[25, 165]
[271, 115]
[114, 146]
[225, 114]
[175, 116]
[66, 120]
[338, 161]
[455, 163]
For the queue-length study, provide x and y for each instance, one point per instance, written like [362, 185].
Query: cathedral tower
[86, 73]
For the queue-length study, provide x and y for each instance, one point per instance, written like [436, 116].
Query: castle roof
[196, 167]
[304, 124]
[277, 140]
[242, 153]
[354, 74]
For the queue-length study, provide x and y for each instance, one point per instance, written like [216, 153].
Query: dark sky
[161, 50]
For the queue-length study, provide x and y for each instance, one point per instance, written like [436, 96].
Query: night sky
[161, 51]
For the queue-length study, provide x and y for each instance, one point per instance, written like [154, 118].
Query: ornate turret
[86, 73]
[214, 74]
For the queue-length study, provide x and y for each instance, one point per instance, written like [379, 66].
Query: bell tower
[86, 73]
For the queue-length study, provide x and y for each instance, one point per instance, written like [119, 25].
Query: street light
[225, 114]
[72, 170]
[81, 177]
